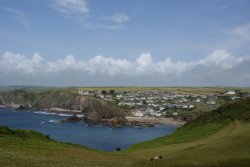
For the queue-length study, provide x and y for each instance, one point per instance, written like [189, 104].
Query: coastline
[63, 111]
[132, 120]
[51, 110]
[154, 121]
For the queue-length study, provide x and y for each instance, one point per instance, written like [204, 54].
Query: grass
[182, 90]
[182, 135]
[217, 138]
[220, 149]
[227, 147]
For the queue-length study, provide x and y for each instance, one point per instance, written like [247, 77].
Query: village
[148, 104]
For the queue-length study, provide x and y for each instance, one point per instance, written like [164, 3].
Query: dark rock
[118, 121]
[99, 112]
[73, 118]
[24, 107]
[1, 101]
[140, 124]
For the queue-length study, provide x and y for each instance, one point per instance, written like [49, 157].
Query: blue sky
[157, 42]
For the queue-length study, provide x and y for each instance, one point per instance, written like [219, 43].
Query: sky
[125, 42]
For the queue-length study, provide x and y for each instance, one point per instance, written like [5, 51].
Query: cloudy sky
[125, 42]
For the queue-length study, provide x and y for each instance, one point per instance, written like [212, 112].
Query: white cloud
[78, 10]
[71, 6]
[110, 66]
[113, 22]
[219, 64]
[144, 59]
[222, 59]
[120, 18]
[11, 62]
[65, 64]
[102, 26]
[144, 64]
[19, 17]
[243, 31]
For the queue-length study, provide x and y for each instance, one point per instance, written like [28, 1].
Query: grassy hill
[218, 138]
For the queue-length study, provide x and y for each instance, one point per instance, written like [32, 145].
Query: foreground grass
[182, 135]
[228, 147]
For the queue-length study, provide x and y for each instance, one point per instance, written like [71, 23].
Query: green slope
[205, 125]
[219, 138]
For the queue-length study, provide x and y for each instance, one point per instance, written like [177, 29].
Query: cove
[99, 137]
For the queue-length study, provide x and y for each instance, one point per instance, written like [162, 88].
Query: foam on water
[54, 121]
[65, 115]
[46, 113]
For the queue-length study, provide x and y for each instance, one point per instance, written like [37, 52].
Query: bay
[99, 137]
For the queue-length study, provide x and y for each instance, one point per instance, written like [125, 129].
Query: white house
[231, 92]
[138, 113]
[198, 100]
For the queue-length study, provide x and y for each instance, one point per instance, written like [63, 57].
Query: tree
[104, 92]
[112, 92]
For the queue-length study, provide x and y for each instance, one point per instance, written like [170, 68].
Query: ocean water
[98, 137]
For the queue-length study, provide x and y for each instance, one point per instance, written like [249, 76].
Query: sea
[99, 137]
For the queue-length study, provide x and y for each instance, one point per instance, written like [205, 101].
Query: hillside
[218, 138]
[205, 125]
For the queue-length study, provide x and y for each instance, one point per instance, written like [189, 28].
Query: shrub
[47, 136]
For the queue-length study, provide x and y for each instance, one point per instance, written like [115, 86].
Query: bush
[104, 92]
[118, 149]
[112, 92]
[6, 130]
[47, 136]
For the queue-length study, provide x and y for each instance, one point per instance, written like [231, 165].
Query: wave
[46, 113]
[80, 115]
[54, 121]
[51, 113]
[65, 115]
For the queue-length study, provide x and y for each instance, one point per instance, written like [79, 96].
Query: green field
[218, 138]
[181, 90]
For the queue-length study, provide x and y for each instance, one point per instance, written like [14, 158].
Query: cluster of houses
[158, 103]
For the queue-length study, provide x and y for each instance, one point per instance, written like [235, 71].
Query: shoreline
[63, 111]
[155, 121]
[50, 110]
[131, 119]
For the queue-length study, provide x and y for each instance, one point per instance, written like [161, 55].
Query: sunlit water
[98, 137]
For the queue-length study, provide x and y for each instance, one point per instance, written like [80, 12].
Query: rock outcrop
[95, 110]
[71, 119]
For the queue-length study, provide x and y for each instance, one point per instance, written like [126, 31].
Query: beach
[166, 121]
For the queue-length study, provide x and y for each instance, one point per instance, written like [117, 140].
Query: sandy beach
[167, 121]
[61, 110]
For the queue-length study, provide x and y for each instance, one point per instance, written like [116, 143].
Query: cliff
[95, 110]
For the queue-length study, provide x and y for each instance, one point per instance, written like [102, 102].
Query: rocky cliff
[95, 110]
